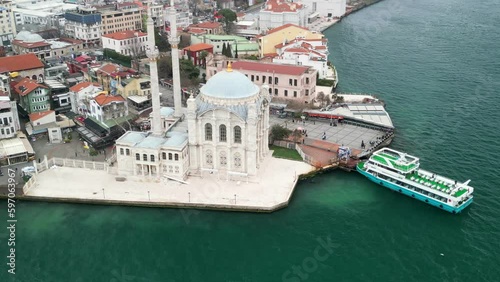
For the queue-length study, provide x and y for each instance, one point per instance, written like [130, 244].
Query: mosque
[224, 129]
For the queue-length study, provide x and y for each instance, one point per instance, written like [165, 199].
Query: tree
[320, 97]
[161, 42]
[228, 18]
[203, 58]
[224, 49]
[278, 132]
[229, 54]
[236, 51]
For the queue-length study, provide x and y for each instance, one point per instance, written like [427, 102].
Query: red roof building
[26, 65]
[193, 53]
[209, 27]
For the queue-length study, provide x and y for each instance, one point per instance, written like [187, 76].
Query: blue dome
[229, 85]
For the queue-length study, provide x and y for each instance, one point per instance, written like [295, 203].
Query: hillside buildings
[218, 41]
[276, 13]
[84, 24]
[27, 42]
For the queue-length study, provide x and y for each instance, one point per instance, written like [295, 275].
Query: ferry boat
[401, 172]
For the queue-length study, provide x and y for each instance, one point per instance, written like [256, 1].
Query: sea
[436, 65]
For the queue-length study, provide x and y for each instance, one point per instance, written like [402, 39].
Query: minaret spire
[153, 55]
[176, 76]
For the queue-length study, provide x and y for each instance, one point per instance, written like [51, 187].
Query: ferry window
[137, 157]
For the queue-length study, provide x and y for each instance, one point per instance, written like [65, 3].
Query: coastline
[355, 7]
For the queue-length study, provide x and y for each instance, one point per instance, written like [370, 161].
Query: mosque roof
[229, 84]
[28, 37]
[147, 141]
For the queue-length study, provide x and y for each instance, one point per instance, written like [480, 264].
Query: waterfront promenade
[267, 192]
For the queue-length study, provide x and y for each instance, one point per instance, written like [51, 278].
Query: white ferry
[400, 172]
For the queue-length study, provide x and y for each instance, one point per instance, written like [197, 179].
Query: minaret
[176, 75]
[153, 54]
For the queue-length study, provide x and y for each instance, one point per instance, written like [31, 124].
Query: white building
[276, 13]
[306, 52]
[129, 43]
[106, 107]
[156, 11]
[227, 133]
[325, 8]
[184, 18]
[7, 22]
[9, 118]
[84, 24]
[81, 94]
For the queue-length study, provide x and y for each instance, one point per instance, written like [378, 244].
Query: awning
[138, 99]
[11, 147]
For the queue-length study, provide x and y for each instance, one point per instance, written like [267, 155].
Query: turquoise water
[436, 65]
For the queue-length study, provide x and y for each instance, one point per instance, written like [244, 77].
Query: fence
[46, 164]
[308, 159]
[27, 186]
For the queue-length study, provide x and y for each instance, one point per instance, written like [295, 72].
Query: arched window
[152, 158]
[237, 134]
[208, 132]
[137, 157]
[127, 152]
[144, 157]
[169, 156]
[237, 160]
[176, 157]
[164, 155]
[33, 77]
[223, 159]
[222, 133]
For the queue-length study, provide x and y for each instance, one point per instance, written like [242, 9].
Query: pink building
[294, 83]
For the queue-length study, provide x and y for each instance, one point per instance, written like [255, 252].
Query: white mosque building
[224, 130]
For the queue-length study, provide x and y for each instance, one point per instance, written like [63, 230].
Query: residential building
[84, 24]
[106, 107]
[25, 65]
[209, 27]
[276, 13]
[7, 22]
[306, 52]
[9, 118]
[108, 72]
[158, 14]
[26, 42]
[81, 94]
[292, 83]
[283, 34]
[136, 89]
[184, 19]
[5, 84]
[129, 43]
[217, 41]
[59, 96]
[33, 97]
[194, 53]
[126, 16]
[325, 8]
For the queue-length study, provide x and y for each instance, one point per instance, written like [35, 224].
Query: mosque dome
[28, 37]
[229, 84]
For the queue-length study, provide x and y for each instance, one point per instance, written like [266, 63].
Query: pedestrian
[16, 169]
[76, 154]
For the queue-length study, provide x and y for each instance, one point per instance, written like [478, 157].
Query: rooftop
[37, 116]
[26, 86]
[284, 27]
[281, 6]
[20, 63]
[265, 67]
[122, 35]
[103, 99]
[199, 47]
[207, 25]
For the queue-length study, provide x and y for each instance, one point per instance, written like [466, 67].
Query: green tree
[278, 132]
[161, 41]
[203, 58]
[228, 18]
[236, 51]
[224, 49]
[229, 54]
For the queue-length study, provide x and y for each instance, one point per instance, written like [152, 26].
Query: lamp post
[103, 195]
[235, 199]
[149, 197]
[189, 197]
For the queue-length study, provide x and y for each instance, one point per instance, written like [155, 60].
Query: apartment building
[129, 43]
[276, 13]
[269, 42]
[126, 16]
[106, 107]
[7, 22]
[84, 24]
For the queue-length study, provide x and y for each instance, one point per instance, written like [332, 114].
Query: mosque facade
[223, 130]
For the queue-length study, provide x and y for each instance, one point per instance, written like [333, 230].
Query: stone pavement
[342, 134]
[272, 189]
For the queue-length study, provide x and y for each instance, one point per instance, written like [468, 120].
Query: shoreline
[355, 8]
